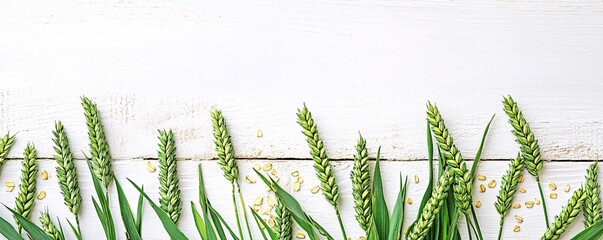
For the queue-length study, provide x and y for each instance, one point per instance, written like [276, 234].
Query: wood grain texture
[368, 66]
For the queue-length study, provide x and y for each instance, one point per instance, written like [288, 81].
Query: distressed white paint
[366, 66]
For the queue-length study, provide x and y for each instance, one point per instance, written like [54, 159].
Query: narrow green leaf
[126, 214]
[102, 206]
[260, 222]
[395, 225]
[219, 221]
[380, 211]
[34, 231]
[139, 213]
[593, 232]
[7, 230]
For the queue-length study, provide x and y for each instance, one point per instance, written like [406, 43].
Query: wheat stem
[421, 227]
[592, 204]
[507, 189]
[568, 214]
[283, 223]
[48, 226]
[6, 143]
[462, 177]
[27, 189]
[66, 171]
[169, 190]
[322, 166]
[361, 186]
[99, 148]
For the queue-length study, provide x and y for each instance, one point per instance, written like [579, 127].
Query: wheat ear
[507, 189]
[169, 191]
[27, 189]
[592, 204]
[530, 150]
[66, 171]
[283, 224]
[49, 227]
[226, 160]
[322, 166]
[462, 177]
[99, 148]
[432, 207]
[6, 143]
[361, 186]
[567, 216]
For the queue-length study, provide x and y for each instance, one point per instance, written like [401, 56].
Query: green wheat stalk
[6, 143]
[530, 150]
[462, 177]
[27, 188]
[592, 204]
[507, 189]
[99, 148]
[169, 191]
[568, 214]
[49, 227]
[324, 172]
[361, 186]
[66, 171]
[283, 226]
[226, 160]
[421, 227]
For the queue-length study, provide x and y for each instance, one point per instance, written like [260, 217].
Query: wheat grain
[48, 226]
[283, 222]
[169, 190]
[361, 185]
[99, 148]
[462, 177]
[592, 204]
[66, 171]
[421, 227]
[567, 216]
[27, 189]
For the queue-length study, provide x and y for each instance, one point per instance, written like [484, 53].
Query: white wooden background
[366, 66]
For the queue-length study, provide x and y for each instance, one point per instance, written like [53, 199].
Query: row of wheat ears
[439, 211]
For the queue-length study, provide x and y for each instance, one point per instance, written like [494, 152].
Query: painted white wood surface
[366, 66]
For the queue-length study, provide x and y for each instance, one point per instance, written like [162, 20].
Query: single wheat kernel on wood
[553, 186]
[481, 177]
[44, 175]
[416, 179]
[259, 134]
[409, 201]
[151, 167]
[295, 173]
[300, 235]
[276, 179]
[267, 167]
[9, 184]
[537, 201]
[521, 177]
[518, 218]
[529, 204]
[566, 188]
[10, 189]
[273, 172]
[482, 188]
[553, 195]
[257, 166]
[517, 228]
[492, 183]
[270, 201]
[362, 238]
[249, 179]
[478, 204]
[517, 206]
[522, 190]
[296, 186]
[256, 208]
[300, 180]
[258, 201]
[41, 195]
[268, 189]
[315, 189]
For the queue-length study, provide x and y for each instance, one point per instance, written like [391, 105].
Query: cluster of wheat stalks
[443, 202]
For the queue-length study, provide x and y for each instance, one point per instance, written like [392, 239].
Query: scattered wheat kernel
[478, 204]
[520, 180]
[481, 177]
[362, 238]
[266, 211]
[537, 201]
[256, 208]
[518, 218]
[273, 172]
[259, 134]
[553, 186]
[315, 189]
[270, 201]
[267, 167]
[258, 201]
[567, 188]
[517, 205]
[41, 195]
[151, 167]
[10, 189]
[276, 179]
[295, 173]
[296, 186]
[553, 195]
[529, 204]
[44, 175]
[9, 184]
[249, 179]
[522, 190]
[516, 228]
[300, 235]
[416, 179]
[271, 222]
[409, 200]
[300, 180]
[257, 166]
[482, 188]
[492, 183]
[268, 189]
